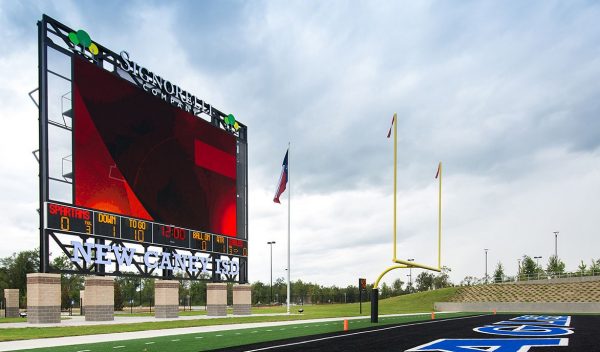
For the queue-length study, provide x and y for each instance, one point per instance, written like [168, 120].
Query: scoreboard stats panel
[68, 219]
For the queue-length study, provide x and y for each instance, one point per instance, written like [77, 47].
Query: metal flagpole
[288, 239]
[440, 219]
[395, 176]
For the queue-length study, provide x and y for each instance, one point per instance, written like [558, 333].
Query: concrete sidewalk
[79, 320]
[87, 339]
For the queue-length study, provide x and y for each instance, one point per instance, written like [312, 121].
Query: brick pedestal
[216, 300]
[166, 299]
[242, 299]
[12, 302]
[99, 298]
[43, 298]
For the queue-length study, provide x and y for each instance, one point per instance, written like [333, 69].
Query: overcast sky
[506, 94]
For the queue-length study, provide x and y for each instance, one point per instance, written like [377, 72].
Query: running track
[586, 336]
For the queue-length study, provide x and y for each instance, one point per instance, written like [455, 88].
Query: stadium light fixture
[556, 244]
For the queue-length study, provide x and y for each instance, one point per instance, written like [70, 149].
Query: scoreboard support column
[216, 300]
[243, 279]
[100, 268]
[166, 273]
[242, 299]
[43, 298]
[99, 298]
[166, 299]
[43, 140]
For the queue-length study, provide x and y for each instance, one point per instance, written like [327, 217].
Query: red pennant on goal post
[392, 125]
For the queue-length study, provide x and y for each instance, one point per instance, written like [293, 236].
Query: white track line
[363, 332]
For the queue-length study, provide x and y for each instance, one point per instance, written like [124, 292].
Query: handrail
[535, 277]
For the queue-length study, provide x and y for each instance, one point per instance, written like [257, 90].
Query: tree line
[529, 268]
[312, 293]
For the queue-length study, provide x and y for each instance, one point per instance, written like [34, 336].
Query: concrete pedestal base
[216, 300]
[166, 299]
[11, 295]
[43, 298]
[242, 299]
[99, 298]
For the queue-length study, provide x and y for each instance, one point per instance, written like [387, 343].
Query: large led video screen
[138, 156]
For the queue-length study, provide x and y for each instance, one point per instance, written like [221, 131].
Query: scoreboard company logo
[82, 38]
[230, 121]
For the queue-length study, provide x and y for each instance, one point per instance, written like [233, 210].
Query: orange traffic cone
[432, 315]
[345, 325]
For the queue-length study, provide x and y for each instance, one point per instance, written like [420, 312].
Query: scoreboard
[74, 220]
[135, 159]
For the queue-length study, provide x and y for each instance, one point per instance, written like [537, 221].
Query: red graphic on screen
[136, 155]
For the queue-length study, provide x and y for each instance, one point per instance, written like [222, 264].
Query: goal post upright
[399, 263]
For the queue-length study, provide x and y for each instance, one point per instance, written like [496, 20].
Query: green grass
[12, 320]
[21, 320]
[414, 303]
[229, 338]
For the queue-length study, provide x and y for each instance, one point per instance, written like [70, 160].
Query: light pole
[537, 264]
[140, 293]
[556, 244]
[486, 274]
[410, 272]
[271, 243]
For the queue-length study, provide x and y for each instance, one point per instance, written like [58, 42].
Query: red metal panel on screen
[136, 155]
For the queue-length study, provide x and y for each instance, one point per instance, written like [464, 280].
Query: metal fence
[535, 277]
